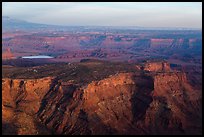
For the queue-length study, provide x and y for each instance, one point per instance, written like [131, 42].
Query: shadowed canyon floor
[100, 97]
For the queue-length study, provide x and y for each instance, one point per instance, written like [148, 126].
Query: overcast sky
[144, 14]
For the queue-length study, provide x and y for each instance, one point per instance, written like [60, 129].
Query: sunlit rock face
[124, 103]
[157, 66]
[21, 100]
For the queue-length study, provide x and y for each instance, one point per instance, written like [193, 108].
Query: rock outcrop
[125, 103]
[157, 66]
[21, 101]
[176, 105]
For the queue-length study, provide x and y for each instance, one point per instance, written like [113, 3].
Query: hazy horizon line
[146, 14]
[191, 28]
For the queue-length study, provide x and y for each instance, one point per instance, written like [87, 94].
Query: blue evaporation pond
[37, 57]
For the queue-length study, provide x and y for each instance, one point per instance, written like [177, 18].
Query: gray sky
[144, 14]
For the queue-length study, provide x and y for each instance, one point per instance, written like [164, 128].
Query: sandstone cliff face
[176, 107]
[161, 43]
[180, 43]
[157, 66]
[126, 103]
[61, 110]
[116, 102]
[21, 101]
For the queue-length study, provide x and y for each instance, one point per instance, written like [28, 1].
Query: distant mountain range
[10, 24]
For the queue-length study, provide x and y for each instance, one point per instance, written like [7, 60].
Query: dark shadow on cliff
[9, 129]
[142, 98]
[98, 127]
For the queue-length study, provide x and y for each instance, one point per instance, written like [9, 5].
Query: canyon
[148, 100]
[101, 80]
[71, 44]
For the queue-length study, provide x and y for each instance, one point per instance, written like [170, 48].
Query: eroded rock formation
[157, 66]
[125, 103]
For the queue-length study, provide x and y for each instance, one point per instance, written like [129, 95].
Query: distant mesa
[157, 66]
